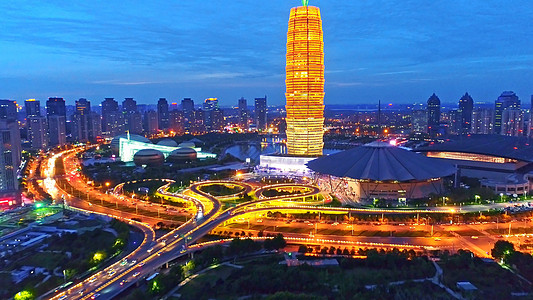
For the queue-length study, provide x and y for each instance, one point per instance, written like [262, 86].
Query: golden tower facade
[305, 82]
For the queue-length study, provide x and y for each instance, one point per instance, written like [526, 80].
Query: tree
[502, 249]
[302, 249]
[279, 241]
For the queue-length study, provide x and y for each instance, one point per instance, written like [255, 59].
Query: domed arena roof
[149, 157]
[188, 144]
[380, 161]
[182, 154]
[168, 143]
[115, 141]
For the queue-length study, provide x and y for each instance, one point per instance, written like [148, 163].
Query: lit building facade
[305, 82]
[128, 148]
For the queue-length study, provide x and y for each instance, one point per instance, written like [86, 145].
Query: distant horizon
[396, 52]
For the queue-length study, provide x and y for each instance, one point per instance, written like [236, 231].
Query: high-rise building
[95, 126]
[80, 121]
[261, 113]
[508, 99]
[176, 121]
[433, 108]
[33, 108]
[134, 122]
[243, 113]
[8, 110]
[482, 121]
[129, 105]
[83, 106]
[56, 107]
[530, 127]
[162, 112]
[419, 121]
[10, 152]
[56, 119]
[151, 122]
[187, 105]
[217, 119]
[466, 106]
[454, 121]
[305, 82]
[37, 132]
[512, 122]
[210, 104]
[36, 124]
[113, 121]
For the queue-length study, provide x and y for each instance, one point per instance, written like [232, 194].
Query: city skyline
[374, 51]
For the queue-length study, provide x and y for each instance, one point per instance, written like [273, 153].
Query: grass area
[467, 232]
[492, 281]
[44, 260]
[218, 190]
[505, 230]
[261, 278]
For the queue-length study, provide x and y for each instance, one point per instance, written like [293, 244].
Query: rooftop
[381, 161]
[519, 148]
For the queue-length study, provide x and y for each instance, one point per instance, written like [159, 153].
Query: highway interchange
[209, 214]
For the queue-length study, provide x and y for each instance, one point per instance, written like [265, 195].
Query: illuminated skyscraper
[305, 82]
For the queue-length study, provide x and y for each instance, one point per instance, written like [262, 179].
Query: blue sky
[396, 51]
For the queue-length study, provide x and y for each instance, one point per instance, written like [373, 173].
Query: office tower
[162, 112]
[433, 110]
[176, 121]
[261, 113]
[187, 105]
[512, 122]
[507, 99]
[129, 105]
[304, 82]
[482, 121]
[243, 114]
[56, 119]
[419, 121]
[33, 108]
[10, 152]
[466, 105]
[151, 122]
[80, 120]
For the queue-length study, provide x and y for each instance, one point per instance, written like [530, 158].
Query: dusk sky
[396, 51]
